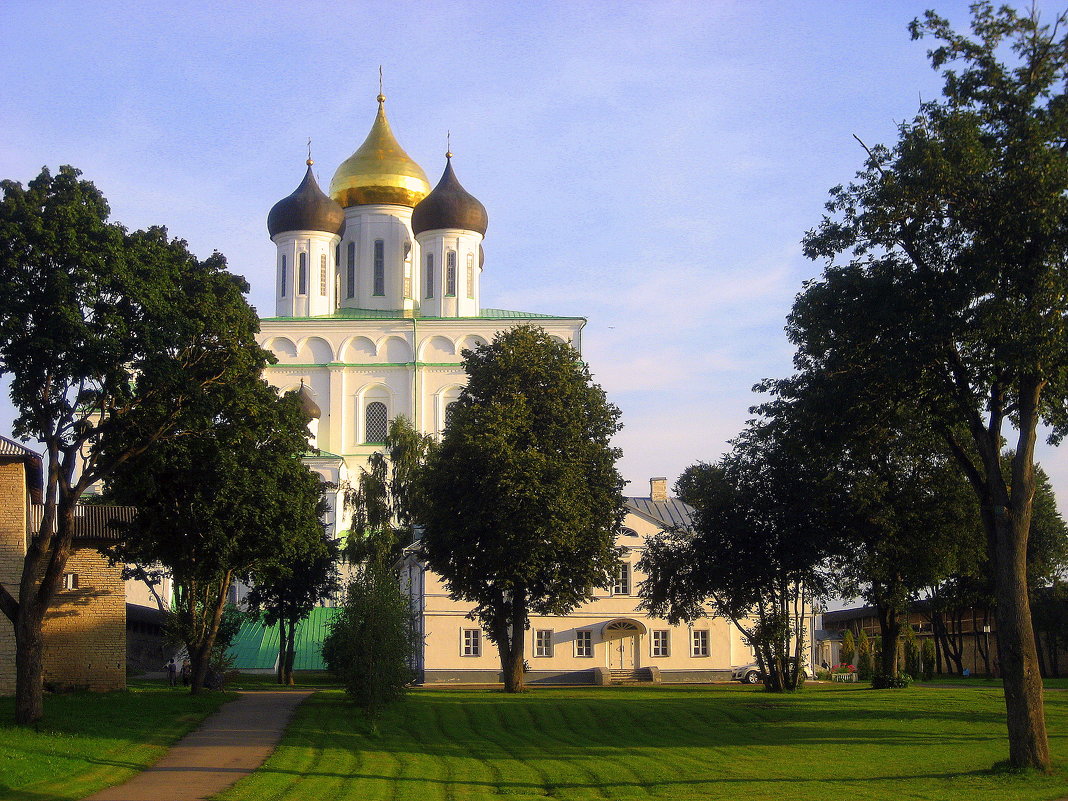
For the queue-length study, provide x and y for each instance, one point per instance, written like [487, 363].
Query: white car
[746, 674]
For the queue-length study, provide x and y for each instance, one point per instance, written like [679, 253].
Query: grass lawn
[87, 741]
[725, 742]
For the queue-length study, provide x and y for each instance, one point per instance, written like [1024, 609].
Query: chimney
[658, 489]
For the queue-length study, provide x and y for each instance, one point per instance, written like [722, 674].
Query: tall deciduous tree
[953, 292]
[523, 497]
[754, 553]
[227, 499]
[108, 336]
[285, 591]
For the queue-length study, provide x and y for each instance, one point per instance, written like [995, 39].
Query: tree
[284, 593]
[523, 501]
[107, 336]
[372, 640]
[952, 294]
[221, 503]
[848, 651]
[386, 498]
[754, 553]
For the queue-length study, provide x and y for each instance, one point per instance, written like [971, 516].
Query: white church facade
[378, 290]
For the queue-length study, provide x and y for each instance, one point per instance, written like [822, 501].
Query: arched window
[380, 267]
[302, 275]
[322, 274]
[449, 409]
[376, 423]
[350, 272]
[430, 275]
[450, 274]
[471, 275]
[283, 273]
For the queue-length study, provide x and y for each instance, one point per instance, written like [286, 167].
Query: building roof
[11, 451]
[399, 314]
[307, 209]
[449, 205]
[92, 521]
[671, 513]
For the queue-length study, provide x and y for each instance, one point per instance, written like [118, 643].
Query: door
[623, 654]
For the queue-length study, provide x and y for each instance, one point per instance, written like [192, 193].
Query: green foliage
[523, 497]
[865, 662]
[755, 552]
[226, 500]
[849, 648]
[109, 337]
[945, 293]
[387, 497]
[928, 656]
[371, 642]
[896, 681]
[913, 655]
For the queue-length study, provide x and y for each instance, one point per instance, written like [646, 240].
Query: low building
[608, 637]
[85, 627]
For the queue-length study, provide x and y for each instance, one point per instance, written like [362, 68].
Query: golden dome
[380, 171]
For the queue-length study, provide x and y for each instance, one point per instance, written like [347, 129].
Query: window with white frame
[429, 275]
[70, 581]
[302, 275]
[376, 422]
[470, 642]
[699, 642]
[661, 642]
[543, 642]
[621, 579]
[283, 274]
[583, 642]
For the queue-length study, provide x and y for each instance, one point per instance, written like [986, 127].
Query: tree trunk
[511, 646]
[889, 631]
[281, 667]
[291, 652]
[29, 665]
[1017, 654]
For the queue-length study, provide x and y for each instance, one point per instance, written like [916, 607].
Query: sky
[651, 166]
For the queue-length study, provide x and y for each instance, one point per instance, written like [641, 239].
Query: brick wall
[85, 629]
[12, 550]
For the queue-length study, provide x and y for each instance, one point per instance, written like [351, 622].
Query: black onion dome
[307, 209]
[307, 403]
[449, 205]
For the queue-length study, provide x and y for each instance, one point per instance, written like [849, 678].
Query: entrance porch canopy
[622, 627]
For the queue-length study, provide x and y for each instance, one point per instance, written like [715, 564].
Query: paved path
[228, 746]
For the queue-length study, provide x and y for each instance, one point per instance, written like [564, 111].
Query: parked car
[746, 674]
[750, 674]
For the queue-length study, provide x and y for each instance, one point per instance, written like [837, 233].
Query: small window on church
[450, 409]
[376, 423]
[471, 276]
[302, 275]
[283, 272]
[350, 274]
[380, 267]
[450, 274]
[430, 275]
[322, 275]
[70, 581]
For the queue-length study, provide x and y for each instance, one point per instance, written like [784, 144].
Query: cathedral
[377, 293]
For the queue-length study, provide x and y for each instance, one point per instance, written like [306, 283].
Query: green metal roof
[399, 314]
[256, 647]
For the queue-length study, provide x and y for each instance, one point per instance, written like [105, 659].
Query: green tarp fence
[256, 647]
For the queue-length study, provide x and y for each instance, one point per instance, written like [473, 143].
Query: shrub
[864, 657]
[849, 648]
[883, 682]
[927, 652]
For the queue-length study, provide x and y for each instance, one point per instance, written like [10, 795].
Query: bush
[864, 657]
[898, 682]
[927, 651]
[849, 648]
[371, 641]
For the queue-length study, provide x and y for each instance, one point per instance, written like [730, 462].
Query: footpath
[228, 746]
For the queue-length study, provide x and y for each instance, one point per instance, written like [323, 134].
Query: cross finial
[381, 97]
[448, 144]
[309, 162]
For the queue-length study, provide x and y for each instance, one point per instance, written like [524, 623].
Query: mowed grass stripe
[579, 744]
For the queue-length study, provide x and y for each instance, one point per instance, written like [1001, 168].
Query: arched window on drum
[376, 423]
